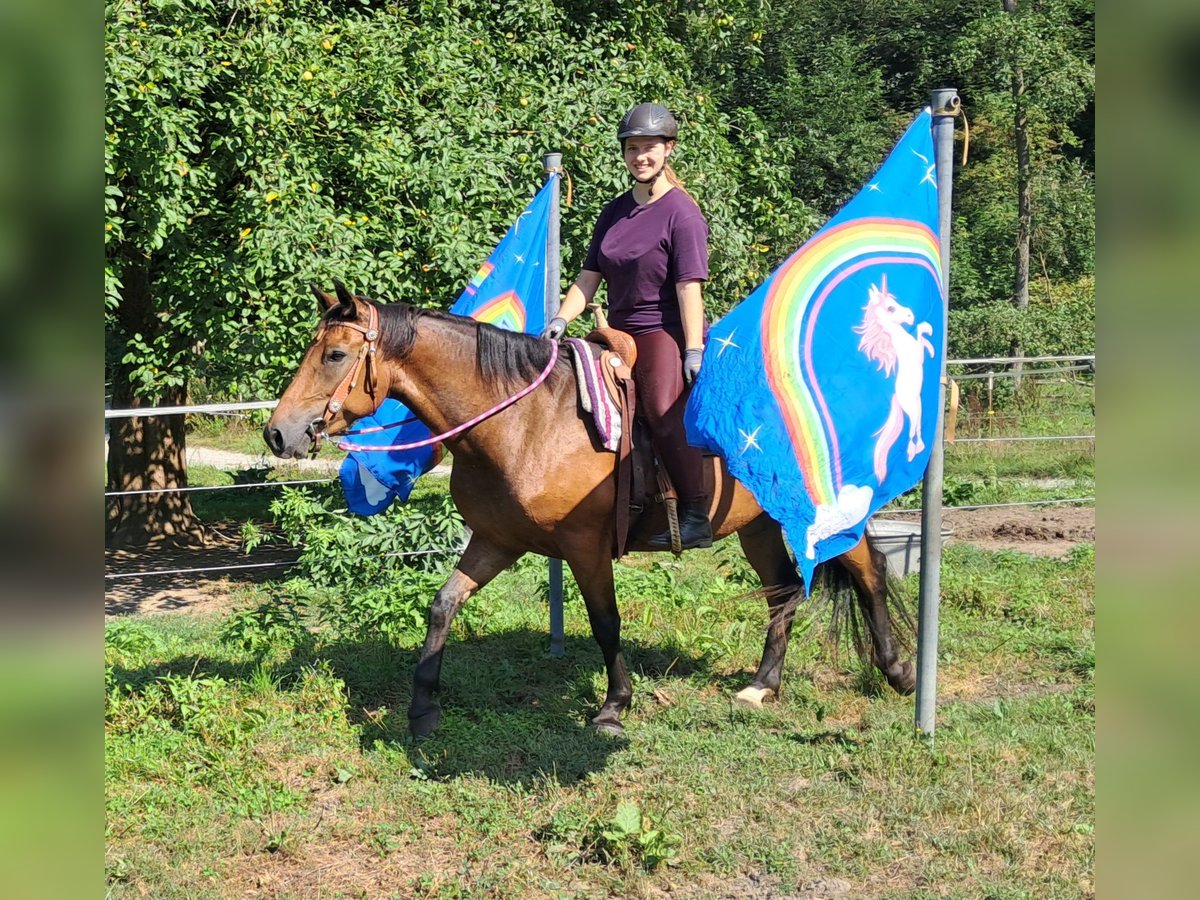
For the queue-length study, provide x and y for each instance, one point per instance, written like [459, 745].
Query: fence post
[552, 165]
[944, 103]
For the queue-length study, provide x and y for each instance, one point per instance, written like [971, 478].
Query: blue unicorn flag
[813, 387]
[508, 291]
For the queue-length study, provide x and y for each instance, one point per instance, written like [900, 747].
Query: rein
[465, 426]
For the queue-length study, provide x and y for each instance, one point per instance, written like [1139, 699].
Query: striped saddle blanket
[598, 372]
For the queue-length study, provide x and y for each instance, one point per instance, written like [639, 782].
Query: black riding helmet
[648, 120]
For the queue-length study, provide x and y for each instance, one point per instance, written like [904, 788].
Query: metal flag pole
[944, 103]
[552, 165]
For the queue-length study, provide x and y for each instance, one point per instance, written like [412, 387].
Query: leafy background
[252, 146]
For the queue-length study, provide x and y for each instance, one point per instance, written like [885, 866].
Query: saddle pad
[594, 396]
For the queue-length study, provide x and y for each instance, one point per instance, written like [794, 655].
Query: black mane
[506, 358]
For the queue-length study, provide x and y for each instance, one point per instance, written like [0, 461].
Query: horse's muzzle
[282, 447]
[273, 438]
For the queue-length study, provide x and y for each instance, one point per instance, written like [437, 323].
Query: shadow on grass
[510, 712]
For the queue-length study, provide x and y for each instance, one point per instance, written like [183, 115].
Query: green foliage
[1060, 320]
[276, 624]
[394, 609]
[357, 552]
[628, 840]
[125, 640]
[251, 153]
[357, 576]
[635, 841]
[252, 147]
[1052, 44]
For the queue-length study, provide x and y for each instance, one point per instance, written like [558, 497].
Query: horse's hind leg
[594, 576]
[480, 563]
[867, 568]
[762, 542]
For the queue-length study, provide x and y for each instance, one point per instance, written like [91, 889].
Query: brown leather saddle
[642, 483]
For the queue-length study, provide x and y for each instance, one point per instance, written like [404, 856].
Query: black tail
[848, 628]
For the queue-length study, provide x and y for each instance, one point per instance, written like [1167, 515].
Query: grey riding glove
[554, 330]
[691, 363]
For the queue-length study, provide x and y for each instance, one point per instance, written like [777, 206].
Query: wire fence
[1040, 370]
[197, 570]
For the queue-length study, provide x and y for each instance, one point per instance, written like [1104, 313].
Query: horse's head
[337, 381]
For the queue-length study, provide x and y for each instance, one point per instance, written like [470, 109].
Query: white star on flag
[726, 343]
[751, 439]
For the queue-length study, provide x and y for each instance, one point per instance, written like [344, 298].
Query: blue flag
[820, 390]
[508, 291]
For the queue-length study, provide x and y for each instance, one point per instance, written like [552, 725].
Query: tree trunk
[146, 452]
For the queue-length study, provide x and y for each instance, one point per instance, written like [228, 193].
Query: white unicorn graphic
[885, 340]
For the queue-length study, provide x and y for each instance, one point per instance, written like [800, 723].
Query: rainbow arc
[794, 299]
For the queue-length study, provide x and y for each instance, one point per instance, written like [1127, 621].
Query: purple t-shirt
[643, 252]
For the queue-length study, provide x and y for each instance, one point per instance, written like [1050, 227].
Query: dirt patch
[349, 853]
[1040, 530]
[162, 578]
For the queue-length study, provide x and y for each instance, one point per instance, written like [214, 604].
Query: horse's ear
[326, 301]
[348, 310]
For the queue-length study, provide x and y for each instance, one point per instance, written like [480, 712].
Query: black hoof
[606, 725]
[903, 678]
[426, 723]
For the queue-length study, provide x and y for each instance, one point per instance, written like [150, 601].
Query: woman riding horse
[651, 246]
[530, 477]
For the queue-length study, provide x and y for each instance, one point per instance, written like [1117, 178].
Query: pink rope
[376, 428]
[465, 426]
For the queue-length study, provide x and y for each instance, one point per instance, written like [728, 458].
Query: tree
[1033, 64]
[251, 149]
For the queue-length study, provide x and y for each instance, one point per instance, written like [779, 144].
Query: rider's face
[645, 156]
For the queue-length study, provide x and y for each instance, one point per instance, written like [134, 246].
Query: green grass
[242, 505]
[287, 773]
[241, 433]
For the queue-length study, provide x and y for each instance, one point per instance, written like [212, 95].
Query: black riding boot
[694, 528]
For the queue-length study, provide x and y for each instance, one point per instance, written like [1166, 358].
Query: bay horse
[532, 479]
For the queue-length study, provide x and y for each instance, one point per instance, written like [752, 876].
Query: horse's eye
[336, 355]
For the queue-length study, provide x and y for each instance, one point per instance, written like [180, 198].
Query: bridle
[365, 361]
[366, 358]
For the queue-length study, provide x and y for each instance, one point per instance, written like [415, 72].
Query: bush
[357, 576]
[358, 552]
[1060, 321]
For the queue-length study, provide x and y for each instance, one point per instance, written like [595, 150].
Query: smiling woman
[651, 247]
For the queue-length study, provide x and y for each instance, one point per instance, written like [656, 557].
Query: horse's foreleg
[867, 567]
[762, 542]
[595, 579]
[480, 563]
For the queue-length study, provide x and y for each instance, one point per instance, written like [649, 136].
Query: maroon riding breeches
[662, 396]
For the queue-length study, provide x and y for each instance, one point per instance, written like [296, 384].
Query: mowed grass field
[259, 755]
[286, 772]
